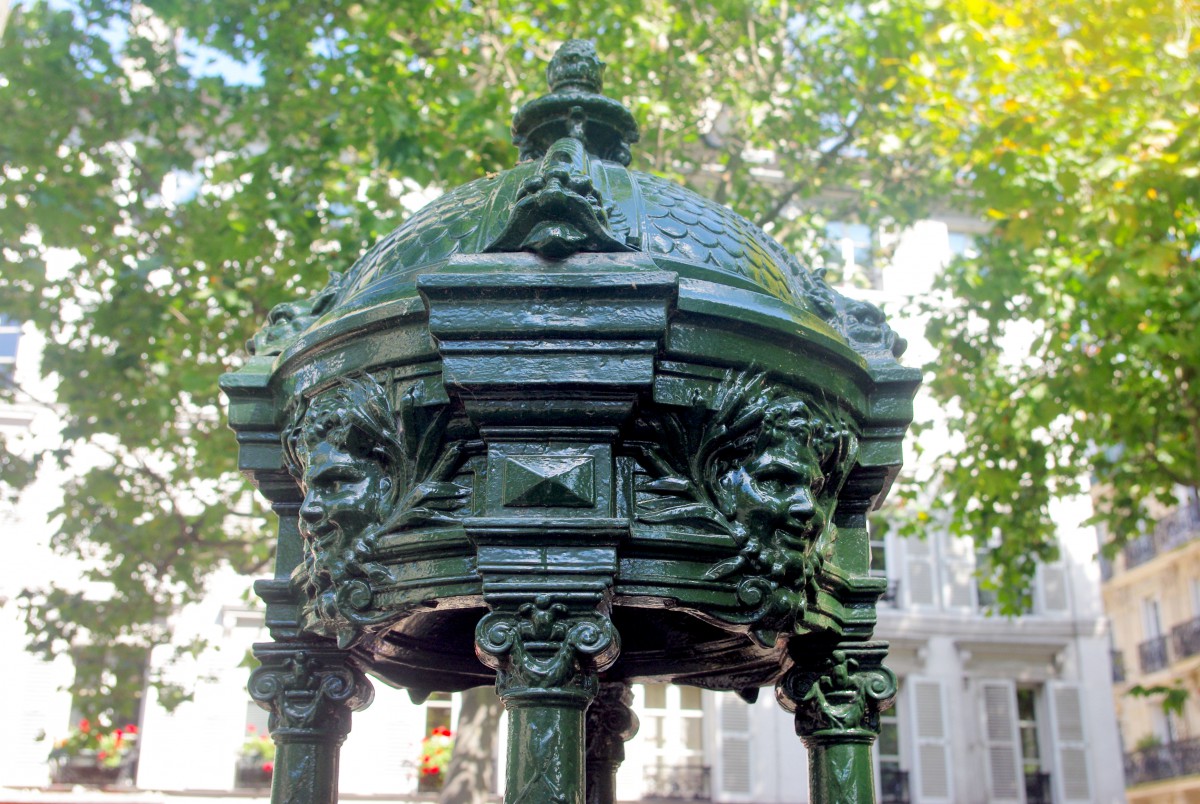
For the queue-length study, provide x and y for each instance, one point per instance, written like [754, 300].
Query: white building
[990, 709]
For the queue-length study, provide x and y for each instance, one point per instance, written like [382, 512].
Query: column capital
[839, 697]
[309, 689]
[546, 646]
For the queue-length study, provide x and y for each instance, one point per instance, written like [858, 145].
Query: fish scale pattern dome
[573, 192]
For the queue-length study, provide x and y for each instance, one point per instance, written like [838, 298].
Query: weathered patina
[570, 427]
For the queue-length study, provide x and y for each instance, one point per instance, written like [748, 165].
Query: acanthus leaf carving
[763, 466]
[366, 471]
[841, 697]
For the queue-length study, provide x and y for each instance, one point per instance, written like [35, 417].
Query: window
[851, 248]
[672, 727]
[10, 336]
[1037, 782]
[1151, 621]
[985, 593]
[962, 245]
[437, 712]
[1035, 741]
[893, 780]
[879, 567]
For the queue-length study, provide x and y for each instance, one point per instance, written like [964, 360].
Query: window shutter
[931, 754]
[999, 703]
[919, 569]
[1070, 742]
[734, 751]
[960, 572]
[1054, 589]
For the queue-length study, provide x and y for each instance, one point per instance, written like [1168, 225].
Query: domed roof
[655, 216]
[573, 192]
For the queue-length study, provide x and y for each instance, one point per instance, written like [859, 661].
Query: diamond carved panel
[549, 481]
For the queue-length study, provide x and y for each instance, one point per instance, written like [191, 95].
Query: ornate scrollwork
[544, 645]
[843, 697]
[764, 467]
[310, 692]
[365, 471]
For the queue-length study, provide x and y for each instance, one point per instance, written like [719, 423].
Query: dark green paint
[573, 422]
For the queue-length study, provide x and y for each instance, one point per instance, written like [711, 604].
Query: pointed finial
[575, 108]
[576, 68]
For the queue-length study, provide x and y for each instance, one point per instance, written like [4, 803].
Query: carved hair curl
[354, 413]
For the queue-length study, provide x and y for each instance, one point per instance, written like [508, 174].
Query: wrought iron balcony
[1118, 666]
[1037, 788]
[893, 786]
[1154, 654]
[1185, 638]
[690, 782]
[1176, 528]
[1168, 761]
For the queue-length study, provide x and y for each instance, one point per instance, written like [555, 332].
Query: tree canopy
[1070, 348]
[173, 170]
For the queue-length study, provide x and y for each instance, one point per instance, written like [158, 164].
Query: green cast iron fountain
[571, 427]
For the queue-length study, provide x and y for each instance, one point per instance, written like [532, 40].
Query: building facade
[1152, 593]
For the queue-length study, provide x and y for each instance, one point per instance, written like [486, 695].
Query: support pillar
[837, 700]
[610, 723]
[310, 689]
[547, 653]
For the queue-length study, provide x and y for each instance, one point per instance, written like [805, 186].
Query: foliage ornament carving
[764, 467]
[546, 645]
[310, 692]
[842, 697]
[365, 472]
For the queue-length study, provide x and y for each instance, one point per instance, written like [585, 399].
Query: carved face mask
[784, 490]
[345, 492]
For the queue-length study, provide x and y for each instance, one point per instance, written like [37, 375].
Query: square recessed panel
[549, 481]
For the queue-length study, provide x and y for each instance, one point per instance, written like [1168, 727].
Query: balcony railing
[893, 786]
[1118, 666]
[1185, 638]
[690, 782]
[1168, 761]
[1037, 788]
[1176, 528]
[1153, 653]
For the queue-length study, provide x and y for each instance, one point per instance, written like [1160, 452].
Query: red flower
[85, 725]
[268, 767]
[102, 755]
[130, 729]
[442, 731]
[251, 728]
